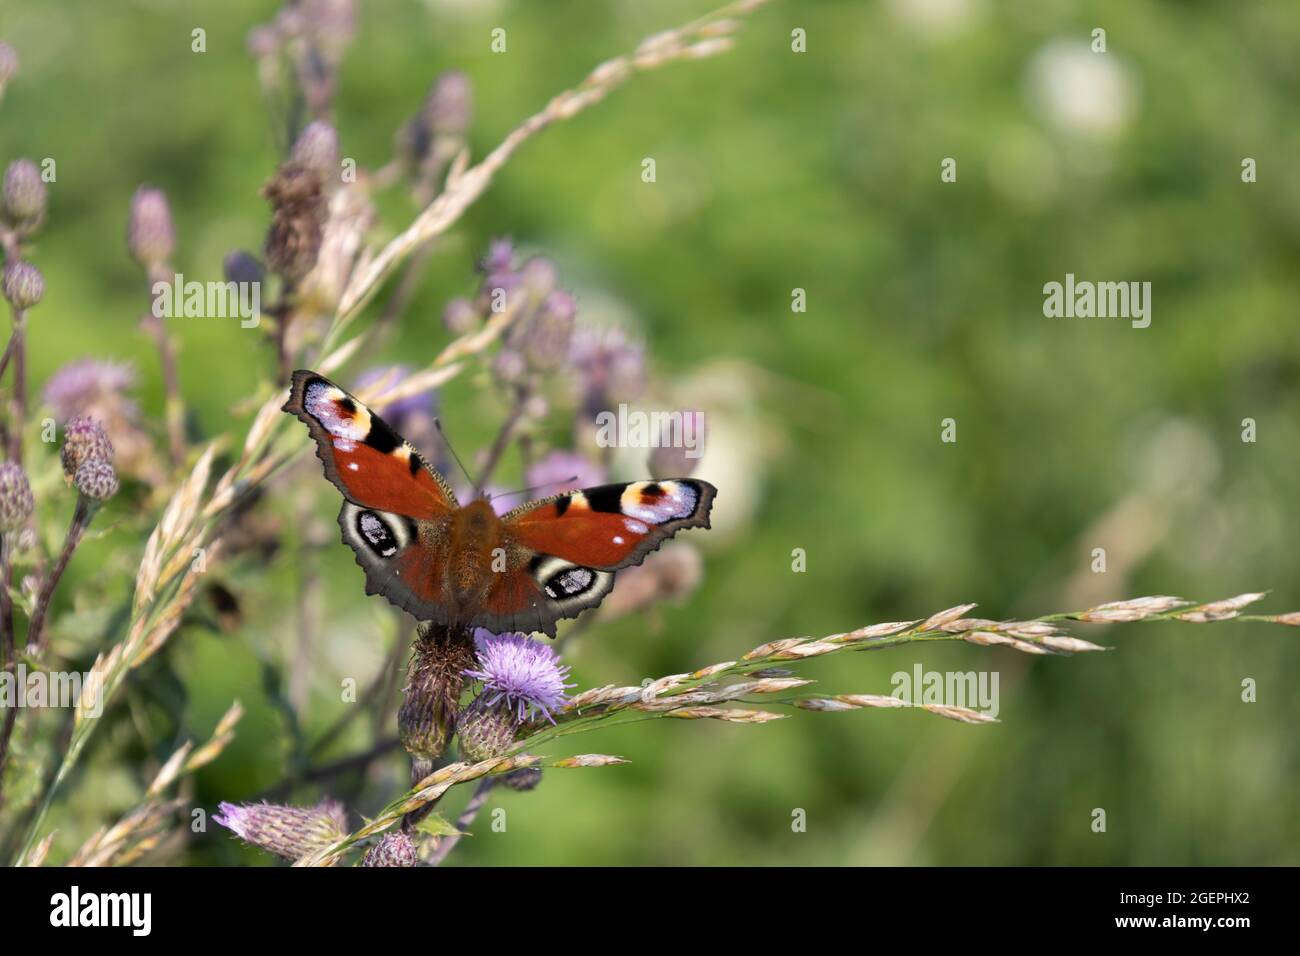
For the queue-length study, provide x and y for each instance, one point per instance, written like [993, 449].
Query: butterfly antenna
[524, 491]
[437, 423]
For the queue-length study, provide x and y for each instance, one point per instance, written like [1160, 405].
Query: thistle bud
[96, 479]
[395, 849]
[242, 267]
[677, 455]
[332, 22]
[8, 65]
[459, 316]
[16, 502]
[288, 832]
[25, 195]
[317, 149]
[438, 129]
[500, 254]
[523, 780]
[23, 284]
[509, 366]
[449, 104]
[150, 234]
[551, 335]
[84, 439]
[486, 730]
[539, 276]
[263, 41]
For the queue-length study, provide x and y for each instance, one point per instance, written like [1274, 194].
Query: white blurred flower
[934, 17]
[1081, 92]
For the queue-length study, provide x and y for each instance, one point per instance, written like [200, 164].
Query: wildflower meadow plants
[86, 458]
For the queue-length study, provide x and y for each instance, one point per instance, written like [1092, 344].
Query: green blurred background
[779, 170]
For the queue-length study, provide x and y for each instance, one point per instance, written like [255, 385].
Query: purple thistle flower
[396, 413]
[524, 674]
[499, 256]
[562, 471]
[84, 383]
[610, 366]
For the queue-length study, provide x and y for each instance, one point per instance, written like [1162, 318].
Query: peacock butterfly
[463, 566]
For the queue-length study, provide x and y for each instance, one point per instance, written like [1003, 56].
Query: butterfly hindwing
[403, 558]
[565, 550]
[540, 591]
[396, 509]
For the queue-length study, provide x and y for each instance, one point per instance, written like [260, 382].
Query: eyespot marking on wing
[380, 533]
[658, 502]
[336, 411]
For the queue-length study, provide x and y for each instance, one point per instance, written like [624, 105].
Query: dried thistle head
[431, 702]
[298, 212]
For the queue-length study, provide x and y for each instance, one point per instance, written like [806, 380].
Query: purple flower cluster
[523, 674]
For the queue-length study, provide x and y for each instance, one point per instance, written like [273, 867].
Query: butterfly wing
[397, 508]
[563, 552]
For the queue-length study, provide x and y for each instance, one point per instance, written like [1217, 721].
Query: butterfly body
[465, 566]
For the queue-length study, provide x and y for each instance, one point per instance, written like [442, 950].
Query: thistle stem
[7, 656]
[466, 819]
[174, 405]
[17, 351]
[36, 628]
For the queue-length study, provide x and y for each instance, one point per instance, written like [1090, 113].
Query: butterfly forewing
[365, 458]
[611, 526]
[395, 506]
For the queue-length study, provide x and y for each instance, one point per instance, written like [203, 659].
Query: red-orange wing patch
[612, 526]
[364, 457]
